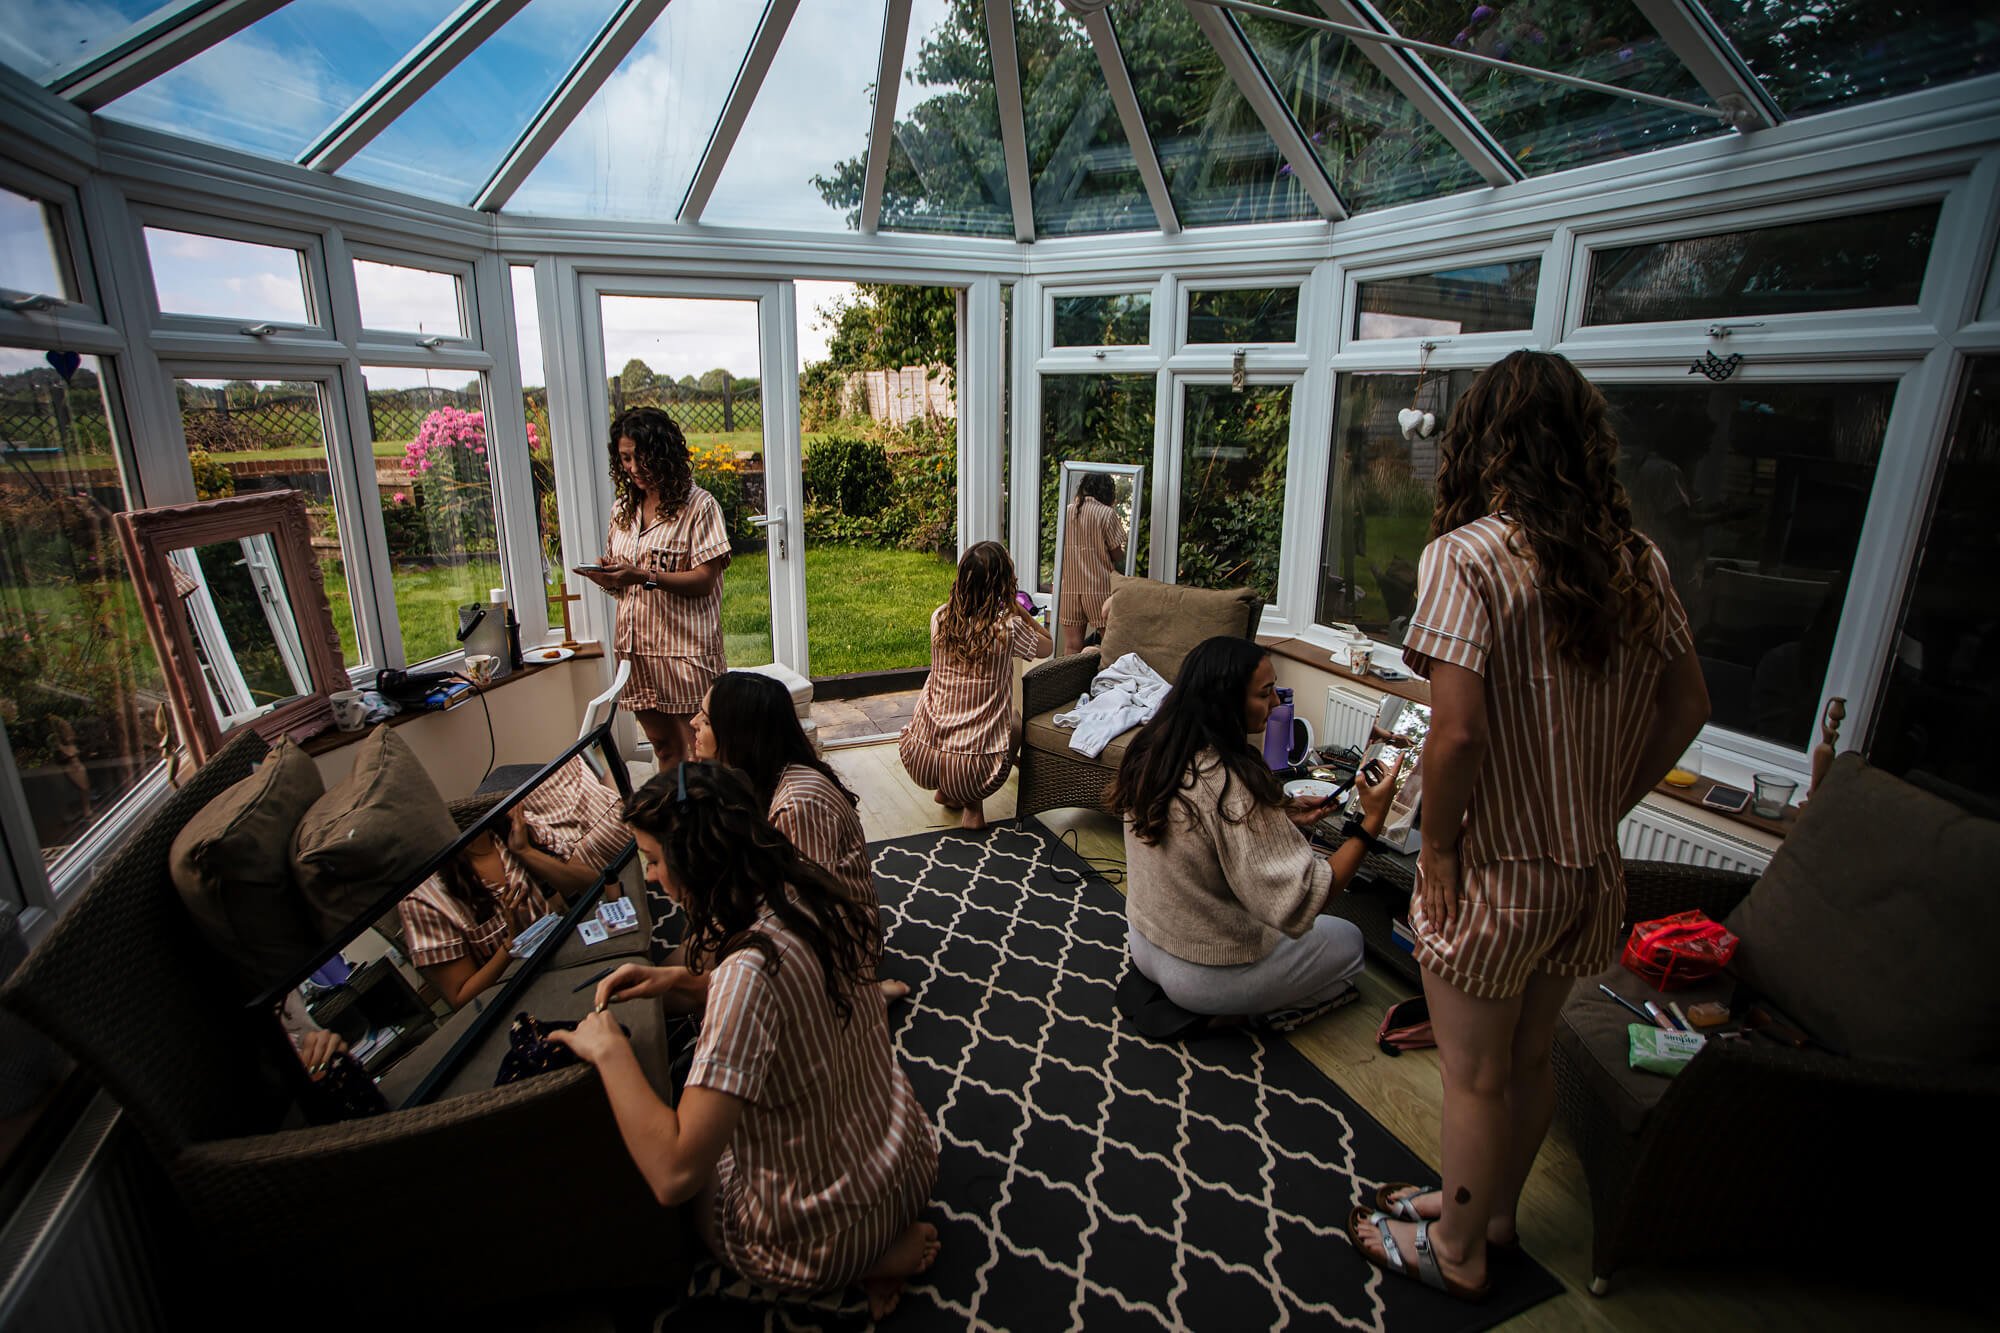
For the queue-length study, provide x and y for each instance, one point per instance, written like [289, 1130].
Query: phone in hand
[1729, 800]
[590, 569]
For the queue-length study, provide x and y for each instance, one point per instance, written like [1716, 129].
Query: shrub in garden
[718, 471]
[848, 474]
[454, 480]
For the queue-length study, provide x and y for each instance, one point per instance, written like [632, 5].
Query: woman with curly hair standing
[960, 740]
[663, 561]
[1563, 686]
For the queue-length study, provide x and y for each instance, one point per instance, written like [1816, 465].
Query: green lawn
[427, 602]
[866, 609]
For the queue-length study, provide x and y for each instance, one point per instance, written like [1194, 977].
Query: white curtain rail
[1734, 117]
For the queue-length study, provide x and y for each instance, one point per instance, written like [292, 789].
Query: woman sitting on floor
[747, 722]
[798, 1133]
[1226, 896]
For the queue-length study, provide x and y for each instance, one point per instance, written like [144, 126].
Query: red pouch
[1677, 951]
[1406, 1027]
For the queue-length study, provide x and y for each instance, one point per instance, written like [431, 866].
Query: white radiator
[1349, 715]
[1655, 833]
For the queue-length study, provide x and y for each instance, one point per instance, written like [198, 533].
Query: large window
[1098, 419]
[1480, 298]
[80, 689]
[1234, 447]
[1755, 494]
[434, 476]
[1381, 487]
[267, 435]
[1939, 717]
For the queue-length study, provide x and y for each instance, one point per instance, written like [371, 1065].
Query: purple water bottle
[1278, 733]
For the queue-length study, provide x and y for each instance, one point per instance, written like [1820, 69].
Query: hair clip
[681, 776]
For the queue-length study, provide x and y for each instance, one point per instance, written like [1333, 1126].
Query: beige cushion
[1043, 733]
[371, 832]
[1872, 918]
[232, 865]
[795, 685]
[1162, 622]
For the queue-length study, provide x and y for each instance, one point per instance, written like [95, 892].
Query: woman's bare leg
[908, 1255]
[973, 816]
[671, 735]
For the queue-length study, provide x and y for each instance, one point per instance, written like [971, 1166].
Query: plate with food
[547, 656]
[1309, 789]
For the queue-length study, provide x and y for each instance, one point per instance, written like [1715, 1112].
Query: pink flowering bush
[454, 480]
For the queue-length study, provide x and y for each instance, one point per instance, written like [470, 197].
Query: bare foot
[938, 796]
[1430, 1206]
[893, 991]
[908, 1255]
[973, 816]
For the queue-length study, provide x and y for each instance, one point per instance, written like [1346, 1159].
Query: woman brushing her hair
[747, 722]
[1226, 898]
[798, 1134]
[1556, 651]
[960, 740]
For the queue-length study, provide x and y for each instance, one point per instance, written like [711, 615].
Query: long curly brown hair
[980, 597]
[1530, 440]
[661, 452]
[731, 866]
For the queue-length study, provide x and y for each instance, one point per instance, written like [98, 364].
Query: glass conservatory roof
[1022, 119]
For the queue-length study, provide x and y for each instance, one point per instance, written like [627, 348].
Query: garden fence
[899, 396]
[696, 411]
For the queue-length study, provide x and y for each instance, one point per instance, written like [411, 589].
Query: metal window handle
[775, 518]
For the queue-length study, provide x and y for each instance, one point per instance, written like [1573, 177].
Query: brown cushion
[1043, 733]
[232, 865]
[1873, 916]
[370, 833]
[1162, 622]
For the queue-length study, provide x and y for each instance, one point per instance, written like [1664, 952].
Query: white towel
[1125, 694]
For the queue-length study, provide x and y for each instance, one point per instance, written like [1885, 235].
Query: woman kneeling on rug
[798, 1136]
[747, 722]
[1225, 894]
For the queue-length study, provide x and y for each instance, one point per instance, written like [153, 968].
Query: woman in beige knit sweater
[1226, 898]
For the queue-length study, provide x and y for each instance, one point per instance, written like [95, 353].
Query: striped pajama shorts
[1520, 918]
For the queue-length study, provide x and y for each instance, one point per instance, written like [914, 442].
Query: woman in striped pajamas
[960, 740]
[1093, 550]
[663, 561]
[798, 1135]
[747, 722]
[1563, 687]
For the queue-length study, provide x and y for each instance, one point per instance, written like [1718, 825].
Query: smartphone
[589, 569]
[1729, 800]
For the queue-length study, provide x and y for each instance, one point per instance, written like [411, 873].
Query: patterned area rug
[1093, 1179]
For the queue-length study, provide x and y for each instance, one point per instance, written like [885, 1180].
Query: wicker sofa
[1159, 621]
[1869, 932]
[429, 1204]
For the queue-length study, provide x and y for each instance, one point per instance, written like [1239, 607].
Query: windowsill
[328, 741]
[1416, 690]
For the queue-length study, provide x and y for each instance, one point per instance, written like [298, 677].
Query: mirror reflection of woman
[663, 561]
[797, 1137]
[459, 924]
[1094, 539]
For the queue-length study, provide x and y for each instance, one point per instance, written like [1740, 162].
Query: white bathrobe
[1125, 694]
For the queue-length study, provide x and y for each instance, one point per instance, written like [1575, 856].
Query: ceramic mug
[1360, 653]
[480, 667]
[350, 713]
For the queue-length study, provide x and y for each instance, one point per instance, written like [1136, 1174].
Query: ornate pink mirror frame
[149, 534]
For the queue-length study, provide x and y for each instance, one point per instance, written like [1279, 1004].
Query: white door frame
[777, 356]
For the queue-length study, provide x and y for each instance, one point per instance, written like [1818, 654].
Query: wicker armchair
[1754, 1148]
[419, 1207]
[1160, 622]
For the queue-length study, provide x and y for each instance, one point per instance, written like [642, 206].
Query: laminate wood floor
[1402, 1092]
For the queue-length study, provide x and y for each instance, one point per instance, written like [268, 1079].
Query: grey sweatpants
[1298, 973]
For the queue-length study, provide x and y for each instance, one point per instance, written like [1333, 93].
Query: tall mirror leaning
[1099, 514]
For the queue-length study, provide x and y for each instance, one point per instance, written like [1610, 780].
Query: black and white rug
[1090, 1178]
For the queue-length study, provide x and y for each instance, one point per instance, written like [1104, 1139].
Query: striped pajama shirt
[960, 738]
[1542, 888]
[673, 642]
[833, 1155]
[1093, 550]
[826, 828]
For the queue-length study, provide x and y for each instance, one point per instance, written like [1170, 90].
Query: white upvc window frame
[1869, 330]
[375, 342]
[63, 211]
[1159, 294]
[219, 332]
[1169, 455]
[1490, 345]
[1186, 284]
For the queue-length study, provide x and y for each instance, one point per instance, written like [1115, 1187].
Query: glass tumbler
[1687, 769]
[1771, 795]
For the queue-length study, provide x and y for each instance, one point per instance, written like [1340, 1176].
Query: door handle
[775, 517]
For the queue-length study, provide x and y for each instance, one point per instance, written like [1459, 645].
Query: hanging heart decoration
[66, 363]
[1411, 420]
